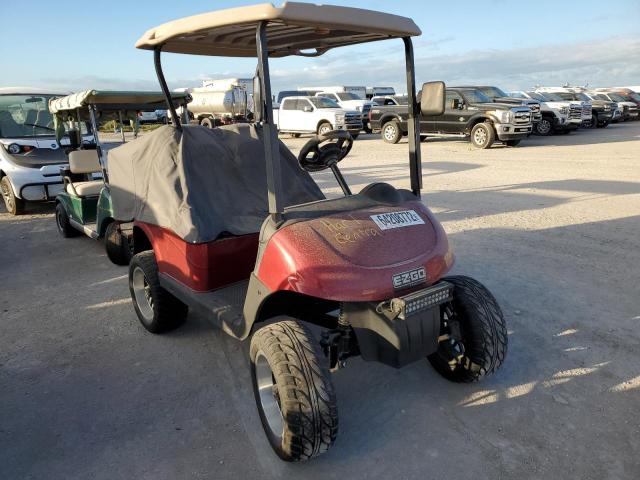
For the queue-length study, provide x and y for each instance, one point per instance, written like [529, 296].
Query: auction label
[406, 218]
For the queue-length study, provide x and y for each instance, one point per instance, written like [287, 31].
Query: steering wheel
[324, 151]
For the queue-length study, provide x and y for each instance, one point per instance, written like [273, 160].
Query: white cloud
[610, 61]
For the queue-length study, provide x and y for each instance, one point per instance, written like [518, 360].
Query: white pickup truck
[351, 101]
[558, 115]
[317, 115]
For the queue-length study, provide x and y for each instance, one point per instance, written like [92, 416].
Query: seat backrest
[84, 161]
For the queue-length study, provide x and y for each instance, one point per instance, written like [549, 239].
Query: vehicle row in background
[468, 114]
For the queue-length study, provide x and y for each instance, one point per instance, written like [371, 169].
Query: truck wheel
[295, 135]
[391, 132]
[157, 309]
[293, 391]
[483, 135]
[544, 127]
[324, 128]
[62, 222]
[117, 245]
[14, 205]
[206, 122]
[594, 120]
[512, 143]
[476, 333]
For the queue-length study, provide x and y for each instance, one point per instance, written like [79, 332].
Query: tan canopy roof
[116, 100]
[292, 28]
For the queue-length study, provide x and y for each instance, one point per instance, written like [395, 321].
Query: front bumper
[402, 330]
[507, 131]
[36, 185]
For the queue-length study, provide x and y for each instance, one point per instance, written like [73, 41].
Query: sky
[74, 45]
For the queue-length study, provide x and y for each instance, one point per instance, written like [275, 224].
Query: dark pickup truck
[499, 96]
[468, 114]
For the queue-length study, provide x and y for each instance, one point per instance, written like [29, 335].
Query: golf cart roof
[293, 29]
[106, 100]
[30, 91]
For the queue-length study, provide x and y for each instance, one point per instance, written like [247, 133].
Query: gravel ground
[551, 227]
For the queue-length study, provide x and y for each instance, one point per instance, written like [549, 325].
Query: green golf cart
[84, 206]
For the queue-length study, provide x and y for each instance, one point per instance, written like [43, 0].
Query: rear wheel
[157, 309]
[391, 132]
[62, 222]
[473, 333]
[14, 205]
[117, 245]
[293, 391]
[483, 135]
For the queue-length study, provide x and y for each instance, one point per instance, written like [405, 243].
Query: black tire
[512, 143]
[355, 135]
[594, 120]
[544, 127]
[295, 135]
[117, 245]
[477, 330]
[300, 389]
[13, 204]
[482, 135]
[62, 222]
[207, 122]
[391, 132]
[157, 309]
[324, 128]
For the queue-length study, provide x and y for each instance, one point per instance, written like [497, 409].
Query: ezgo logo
[410, 278]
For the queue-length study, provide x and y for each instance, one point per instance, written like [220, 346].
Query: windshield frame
[19, 107]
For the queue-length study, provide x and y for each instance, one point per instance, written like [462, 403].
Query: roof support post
[165, 88]
[413, 122]
[269, 130]
[94, 127]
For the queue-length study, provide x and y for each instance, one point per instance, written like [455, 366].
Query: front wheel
[293, 391]
[117, 245]
[13, 204]
[391, 132]
[483, 135]
[544, 127]
[324, 128]
[473, 333]
[206, 122]
[157, 309]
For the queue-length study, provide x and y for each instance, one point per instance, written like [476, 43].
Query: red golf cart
[229, 223]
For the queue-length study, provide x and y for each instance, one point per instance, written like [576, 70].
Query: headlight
[339, 118]
[564, 110]
[505, 117]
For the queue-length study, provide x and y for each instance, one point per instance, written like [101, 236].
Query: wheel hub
[269, 395]
[480, 136]
[142, 294]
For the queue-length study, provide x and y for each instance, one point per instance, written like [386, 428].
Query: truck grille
[575, 112]
[535, 111]
[353, 120]
[521, 117]
[586, 111]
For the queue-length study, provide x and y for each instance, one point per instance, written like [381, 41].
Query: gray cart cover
[202, 182]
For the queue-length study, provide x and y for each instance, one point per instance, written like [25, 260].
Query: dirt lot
[552, 227]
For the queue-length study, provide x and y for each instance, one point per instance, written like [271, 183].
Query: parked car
[380, 92]
[30, 155]
[628, 109]
[147, 117]
[351, 101]
[499, 96]
[468, 114]
[601, 111]
[298, 115]
[211, 108]
[389, 100]
[558, 115]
